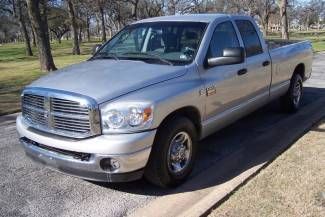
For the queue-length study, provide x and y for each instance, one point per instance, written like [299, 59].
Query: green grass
[316, 37]
[18, 70]
[319, 46]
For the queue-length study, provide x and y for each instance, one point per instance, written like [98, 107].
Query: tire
[168, 167]
[292, 99]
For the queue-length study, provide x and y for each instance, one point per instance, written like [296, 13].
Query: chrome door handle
[266, 63]
[242, 71]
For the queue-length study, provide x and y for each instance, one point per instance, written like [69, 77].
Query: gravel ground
[27, 189]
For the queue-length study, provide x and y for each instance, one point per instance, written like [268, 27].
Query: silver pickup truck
[141, 103]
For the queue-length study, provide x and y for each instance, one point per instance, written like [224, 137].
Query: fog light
[115, 164]
[109, 164]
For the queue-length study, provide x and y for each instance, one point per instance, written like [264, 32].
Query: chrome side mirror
[230, 56]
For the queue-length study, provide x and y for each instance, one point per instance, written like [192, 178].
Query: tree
[74, 27]
[33, 36]
[88, 17]
[100, 5]
[284, 19]
[318, 8]
[37, 10]
[183, 6]
[264, 9]
[22, 18]
[8, 29]
[152, 8]
[86, 13]
[15, 12]
[135, 5]
[59, 23]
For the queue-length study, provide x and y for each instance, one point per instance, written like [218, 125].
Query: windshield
[173, 43]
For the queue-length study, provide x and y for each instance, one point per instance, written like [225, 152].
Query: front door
[226, 85]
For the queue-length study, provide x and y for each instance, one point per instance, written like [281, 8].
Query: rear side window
[224, 36]
[250, 37]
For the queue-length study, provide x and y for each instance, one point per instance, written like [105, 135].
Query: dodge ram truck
[138, 107]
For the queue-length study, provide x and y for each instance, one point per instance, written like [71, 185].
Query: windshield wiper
[155, 56]
[106, 55]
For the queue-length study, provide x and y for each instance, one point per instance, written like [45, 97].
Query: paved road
[27, 189]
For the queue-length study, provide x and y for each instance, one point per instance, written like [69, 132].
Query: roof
[207, 18]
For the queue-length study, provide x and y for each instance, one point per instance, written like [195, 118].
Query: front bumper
[131, 151]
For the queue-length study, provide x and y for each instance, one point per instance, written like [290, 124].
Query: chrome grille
[71, 124]
[33, 101]
[60, 113]
[68, 106]
[34, 116]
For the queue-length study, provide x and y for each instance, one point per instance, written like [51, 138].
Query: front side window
[250, 37]
[156, 42]
[224, 36]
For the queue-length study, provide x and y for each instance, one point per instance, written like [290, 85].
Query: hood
[104, 80]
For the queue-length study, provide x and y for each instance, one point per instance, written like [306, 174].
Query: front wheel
[291, 101]
[173, 153]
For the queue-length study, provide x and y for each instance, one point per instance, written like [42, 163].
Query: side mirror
[230, 56]
[95, 48]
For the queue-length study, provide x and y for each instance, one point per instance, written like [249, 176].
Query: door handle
[242, 71]
[266, 63]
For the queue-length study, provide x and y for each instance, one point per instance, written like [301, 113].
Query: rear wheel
[173, 153]
[291, 101]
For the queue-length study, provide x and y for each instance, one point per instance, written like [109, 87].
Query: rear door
[258, 63]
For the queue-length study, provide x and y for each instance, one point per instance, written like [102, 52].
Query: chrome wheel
[179, 152]
[297, 91]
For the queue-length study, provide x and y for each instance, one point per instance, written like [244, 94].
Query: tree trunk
[265, 23]
[33, 35]
[135, 4]
[97, 26]
[80, 35]
[38, 14]
[284, 19]
[264, 27]
[110, 32]
[74, 26]
[102, 18]
[88, 28]
[171, 7]
[24, 29]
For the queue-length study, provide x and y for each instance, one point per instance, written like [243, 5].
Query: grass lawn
[18, 70]
[317, 39]
[319, 45]
[292, 185]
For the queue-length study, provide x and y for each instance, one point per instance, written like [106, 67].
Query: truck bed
[276, 43]
[286, 55]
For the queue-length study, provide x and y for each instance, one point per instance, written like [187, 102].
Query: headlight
[126, 117]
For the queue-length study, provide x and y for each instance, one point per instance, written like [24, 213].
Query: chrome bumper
[51, 152]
